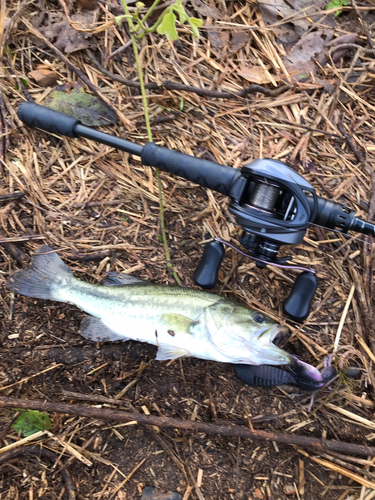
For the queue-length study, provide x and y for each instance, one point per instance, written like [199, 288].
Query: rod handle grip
[37, 116]
[203, 172]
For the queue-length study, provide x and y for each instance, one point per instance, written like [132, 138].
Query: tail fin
[45, 276]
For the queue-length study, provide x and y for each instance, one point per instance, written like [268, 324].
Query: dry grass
[99, 208]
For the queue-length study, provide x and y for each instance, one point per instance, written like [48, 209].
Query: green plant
[31, 421]
[337, 3]
[166, 22]
[166, 25]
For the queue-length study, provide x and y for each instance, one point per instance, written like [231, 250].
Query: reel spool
[274, 208]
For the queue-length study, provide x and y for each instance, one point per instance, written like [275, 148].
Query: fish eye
[259, 318]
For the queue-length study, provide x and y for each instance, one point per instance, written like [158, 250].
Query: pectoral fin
[178, 322]
[170, 352]
[94, 329]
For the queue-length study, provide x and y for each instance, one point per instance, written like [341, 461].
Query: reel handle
[297, 305]
[206, 274]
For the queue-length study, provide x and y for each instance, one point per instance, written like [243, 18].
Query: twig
[168, 85]
[11, 196]
[20, 83]
[357, 154]
[364, 26]
[13, 250]
[353, 468]
[118, 488]
[41, 452]
[30, 237]
[189, 425]
[8, 425]
[340, 470]
[343, 318]
[119, 50]
[26, 379]
[350, 46]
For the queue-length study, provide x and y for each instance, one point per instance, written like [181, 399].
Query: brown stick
[14, 250]
[188, 425]
[8, 425]
[168, 85]
[11, 196]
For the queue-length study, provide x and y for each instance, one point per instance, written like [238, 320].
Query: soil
[98, 207]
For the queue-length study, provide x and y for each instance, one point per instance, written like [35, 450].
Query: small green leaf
[195, 24]
[337, 3]
[24, 81]
[168, 26]
[140, 5]
[31, 421]
[180, 9]
[160, 238]
[181, 104]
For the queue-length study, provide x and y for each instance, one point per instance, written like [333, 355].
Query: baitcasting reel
[272, 203]
[275, 205]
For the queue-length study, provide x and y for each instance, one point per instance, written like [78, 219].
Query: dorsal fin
[116, 279]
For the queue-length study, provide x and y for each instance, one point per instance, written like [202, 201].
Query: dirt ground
[99, 208]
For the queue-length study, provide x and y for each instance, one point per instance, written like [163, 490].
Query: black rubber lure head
[305, 376]
[263, 375]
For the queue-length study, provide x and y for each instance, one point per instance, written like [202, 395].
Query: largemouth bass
[179, 321]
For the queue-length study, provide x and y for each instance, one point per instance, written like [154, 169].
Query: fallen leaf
[301, 71]
[219, 39]
[31, 421]
[206, 10]
[300, 60]
[302, 4]
[277, 10]
[349, 38]
[56, 28]
[44, 77]
[297, 22]
[307, 48]
[72, 100]
[256, 74]
[239, 40]
[341, 52]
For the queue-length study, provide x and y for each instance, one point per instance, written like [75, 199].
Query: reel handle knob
[206, 274]
[297, 305]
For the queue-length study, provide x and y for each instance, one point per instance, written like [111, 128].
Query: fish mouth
[275, 332]
[268, 352]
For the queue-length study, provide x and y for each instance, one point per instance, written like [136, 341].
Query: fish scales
[179, 321]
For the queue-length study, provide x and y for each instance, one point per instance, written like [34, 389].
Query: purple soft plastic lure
[309, 378]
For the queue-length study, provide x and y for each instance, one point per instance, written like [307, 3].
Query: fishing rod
[272, 203]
